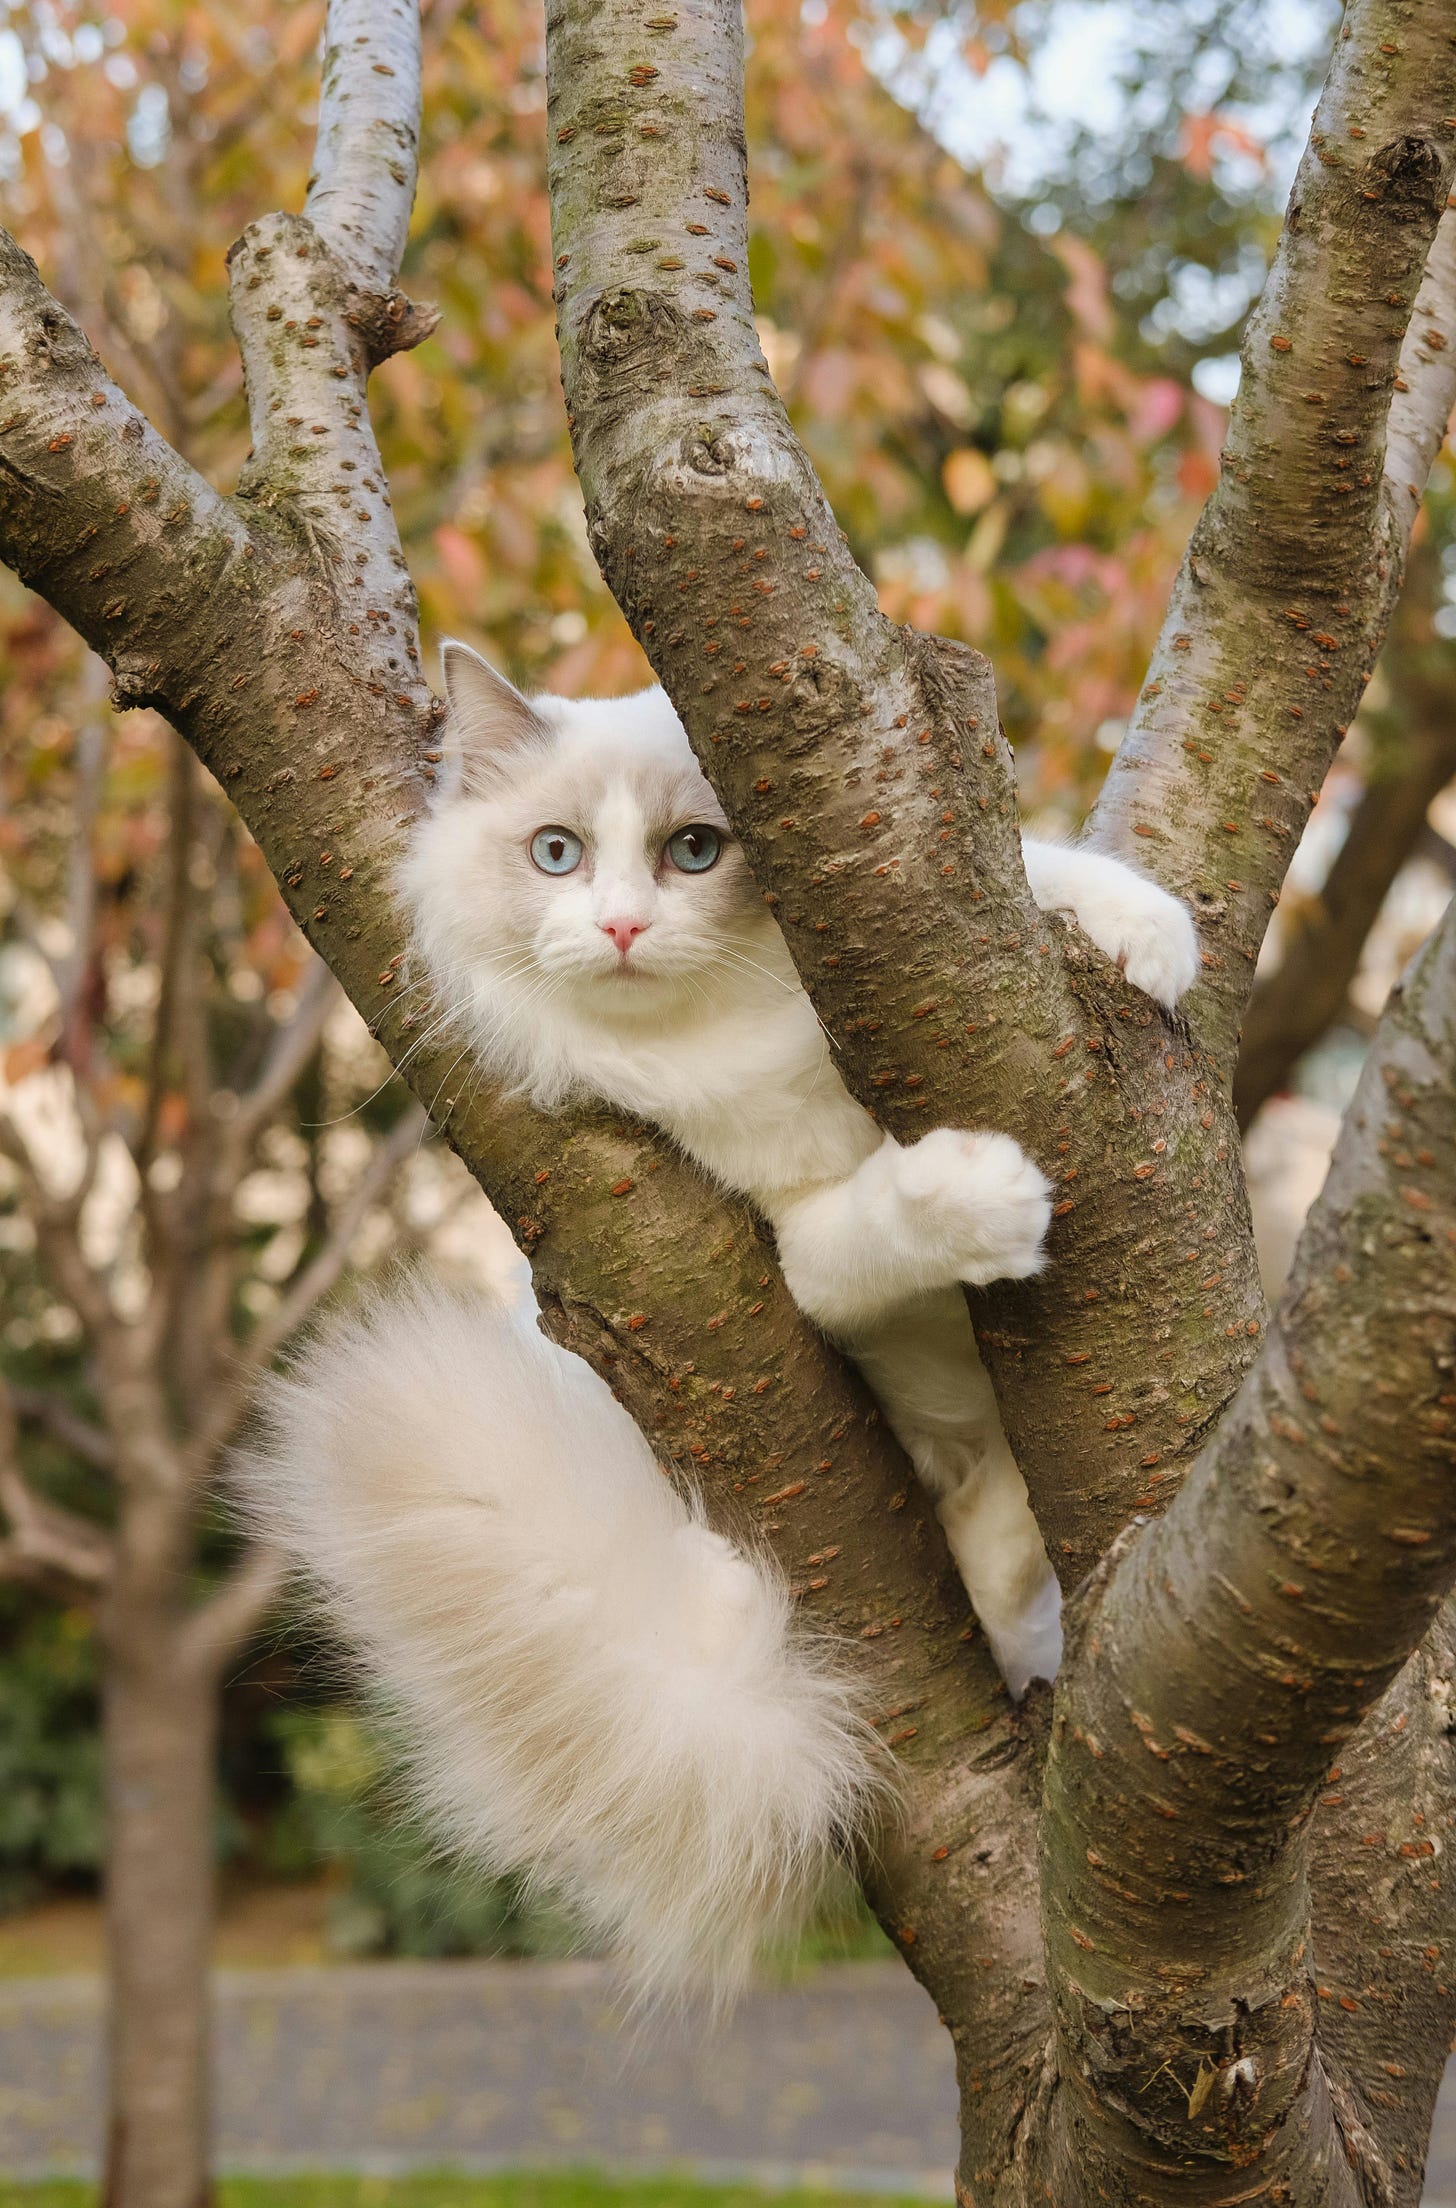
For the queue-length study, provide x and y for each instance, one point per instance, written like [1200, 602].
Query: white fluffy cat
[583, 910]
[597, 1688]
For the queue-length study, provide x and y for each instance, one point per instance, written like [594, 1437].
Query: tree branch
[1383, 1915]
[89, 1442]
[44, 1542]
[305, 1293]
[233, 1612]
[57, 1220]
[367, 151]
[1413, 762]
[77, 973]
[289, 1051]
[1425, 383]
[97, 512]
[1295, 564]
[1240, 1640]
[177, 949]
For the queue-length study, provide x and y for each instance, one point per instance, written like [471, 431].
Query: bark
[1287, 588]
[1384, 1921]
[366, 154]
[1238, 1646]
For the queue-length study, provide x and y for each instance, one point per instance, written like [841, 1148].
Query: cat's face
[580, 847]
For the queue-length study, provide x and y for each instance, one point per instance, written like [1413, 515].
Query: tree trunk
[160, 1730]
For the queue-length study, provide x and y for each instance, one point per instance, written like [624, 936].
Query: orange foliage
[1003, 474]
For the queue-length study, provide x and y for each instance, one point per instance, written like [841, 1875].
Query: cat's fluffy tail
[594, 1689]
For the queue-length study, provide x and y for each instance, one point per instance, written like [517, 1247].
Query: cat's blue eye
[556, 850]
[694, 849]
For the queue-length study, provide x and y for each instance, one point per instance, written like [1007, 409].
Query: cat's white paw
[1029, 1646]
[1156, 945]
[981, 1199]
[1134, 922]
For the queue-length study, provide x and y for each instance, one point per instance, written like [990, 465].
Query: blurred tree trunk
[160, 1728]
[171, 1376]
[1414, 757]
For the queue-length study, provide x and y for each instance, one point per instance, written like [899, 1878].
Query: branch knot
[1410, 173]
[389, 322]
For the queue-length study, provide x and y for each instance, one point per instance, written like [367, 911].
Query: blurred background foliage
[1007, 355]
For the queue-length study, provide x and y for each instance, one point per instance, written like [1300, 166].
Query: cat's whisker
[397, 997]
[741, 957]
[730, 953]
[825, 1046]
[444, 1079]
[544, 986]
[410, 775]
[442, 1019]
[698, 992]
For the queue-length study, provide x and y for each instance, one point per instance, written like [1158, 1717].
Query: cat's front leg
[951, 1207]
[1139, 926]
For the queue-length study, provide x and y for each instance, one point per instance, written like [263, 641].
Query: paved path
[844, 2079]
[397, 2066]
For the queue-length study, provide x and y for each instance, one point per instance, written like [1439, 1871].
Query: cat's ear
[488, 718]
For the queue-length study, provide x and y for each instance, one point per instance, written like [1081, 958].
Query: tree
[146, 158]
[1216, 1997]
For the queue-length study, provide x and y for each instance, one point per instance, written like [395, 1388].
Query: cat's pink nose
[624, 933]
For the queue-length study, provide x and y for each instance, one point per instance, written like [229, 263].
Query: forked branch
[39, 1540]
[1413, 757]
[1240, 1643]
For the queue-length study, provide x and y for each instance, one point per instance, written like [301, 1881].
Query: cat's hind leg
[931, 1384]
[999, 1553]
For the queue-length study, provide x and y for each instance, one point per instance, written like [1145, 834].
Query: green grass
[570, 2191]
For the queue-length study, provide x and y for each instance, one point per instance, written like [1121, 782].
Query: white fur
[599, 1690]
[1147, 932]
[596, 1690]
[704, 1028]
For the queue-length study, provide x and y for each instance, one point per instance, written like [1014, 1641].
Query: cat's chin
[628, 989]
[632, 994]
